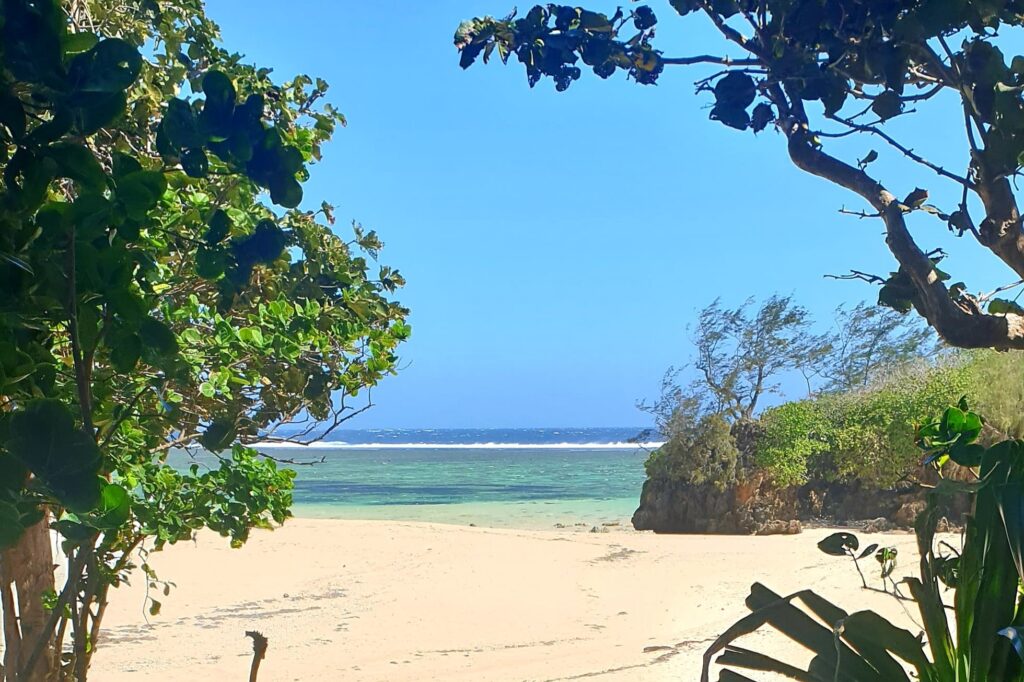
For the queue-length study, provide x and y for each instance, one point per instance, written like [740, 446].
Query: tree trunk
[28, 568]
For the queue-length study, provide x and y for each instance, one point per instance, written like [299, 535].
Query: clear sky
[556, 245]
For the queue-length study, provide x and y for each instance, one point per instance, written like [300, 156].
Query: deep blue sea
[527, 478]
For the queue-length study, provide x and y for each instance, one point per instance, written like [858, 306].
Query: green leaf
[839, 544]
[218, 109]
[285, 191]
[125, 350]
[78, 163]
[195, 163]
[210, 263]
[140, 192]
[11, 526]
[74, 43]
[110, 67]
[115, 507]
[43, 436]
[219, 435]
[219, 227]
[251, 335]
[868, 551]
[180, 126]
[887, 105]
[735, 90]
[1002, 306]
[157, 337]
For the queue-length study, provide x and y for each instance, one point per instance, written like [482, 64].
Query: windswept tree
[740, 355]
[868, 340]
[161, 289]
[819, 70]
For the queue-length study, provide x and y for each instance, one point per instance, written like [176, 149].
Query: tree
[740, 354]
[162, 290]
[869, 340]
[818, 70]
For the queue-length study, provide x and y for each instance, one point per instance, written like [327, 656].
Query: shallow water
[520, 478]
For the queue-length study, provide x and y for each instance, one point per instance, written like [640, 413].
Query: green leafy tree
[740, 354]
[866, 434]
[818, 70]
[162, 290]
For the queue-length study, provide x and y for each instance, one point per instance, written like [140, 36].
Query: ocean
[511, 478]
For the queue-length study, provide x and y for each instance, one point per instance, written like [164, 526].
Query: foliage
[867, 341]
[997, 390]
[817, 71]
[983, 641]
[741, 352]
[796, 434]
[862, 431]
[156, 299]
[865, 434]
[702, 452]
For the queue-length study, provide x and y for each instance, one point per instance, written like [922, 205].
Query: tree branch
[960, 327]
[709, 59]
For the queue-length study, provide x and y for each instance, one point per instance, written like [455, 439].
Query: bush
[997, 389]
[866, 434]
[794, 435]
[702, 451]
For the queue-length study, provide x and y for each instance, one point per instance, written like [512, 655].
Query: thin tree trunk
[29, 567]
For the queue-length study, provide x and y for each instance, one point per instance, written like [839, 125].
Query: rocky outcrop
[746, 508]
[755, 506]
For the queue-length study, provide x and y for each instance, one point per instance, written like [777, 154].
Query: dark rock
[780, 527]
[908, 512]
[750, 506]
[879, 525]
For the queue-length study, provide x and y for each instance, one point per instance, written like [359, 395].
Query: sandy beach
[379, 600]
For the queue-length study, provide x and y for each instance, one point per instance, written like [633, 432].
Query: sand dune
[375, 601]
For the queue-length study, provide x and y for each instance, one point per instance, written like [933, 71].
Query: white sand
[377, 600]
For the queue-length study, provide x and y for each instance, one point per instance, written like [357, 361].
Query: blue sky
[557, 245]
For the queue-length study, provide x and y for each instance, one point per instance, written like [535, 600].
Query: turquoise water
[495, 486]
[519, 478]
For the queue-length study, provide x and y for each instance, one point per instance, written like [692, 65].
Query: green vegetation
[701, 452]
[162, 289]
[875, 386]
[982, 643]
[865, 434]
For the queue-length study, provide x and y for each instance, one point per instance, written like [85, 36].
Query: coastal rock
[780, 527]
[753, 505]
[879, 525]
[908, 512]
[668, 507]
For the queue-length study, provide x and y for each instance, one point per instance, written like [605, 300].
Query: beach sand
[395, 601]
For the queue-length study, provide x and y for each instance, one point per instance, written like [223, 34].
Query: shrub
[701, 451]
[865, 434]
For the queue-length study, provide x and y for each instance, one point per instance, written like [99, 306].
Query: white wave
[335, 445]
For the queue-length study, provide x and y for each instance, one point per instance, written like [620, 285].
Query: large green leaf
[44, 437]
[78, 163]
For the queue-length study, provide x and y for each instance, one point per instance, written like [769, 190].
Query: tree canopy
[163, 289]
[820, 70]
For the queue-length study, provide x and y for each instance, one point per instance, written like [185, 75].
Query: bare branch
[909, 153]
